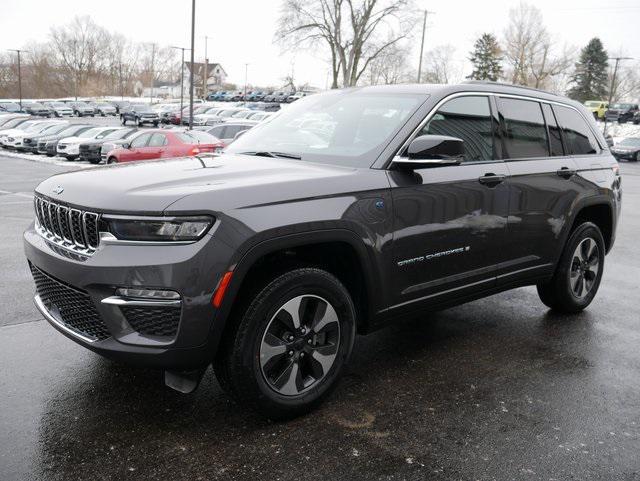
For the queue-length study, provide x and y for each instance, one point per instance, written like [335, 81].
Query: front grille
[71, 228]
[70, 306]
[61, 146]
[153, 321]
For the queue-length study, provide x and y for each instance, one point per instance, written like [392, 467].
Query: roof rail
[506, 84]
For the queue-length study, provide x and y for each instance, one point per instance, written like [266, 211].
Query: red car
[164, 143]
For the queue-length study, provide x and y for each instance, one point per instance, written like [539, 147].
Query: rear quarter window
[578, 137]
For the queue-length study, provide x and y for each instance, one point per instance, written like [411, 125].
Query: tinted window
[140, 141]
[466, 118]
[157, 140]
[525, 133]
[578, 137]
[218, 131]
[555, 141]
[233, 130]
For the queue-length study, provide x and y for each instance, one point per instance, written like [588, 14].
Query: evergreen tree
[486, 58]
[590, 77]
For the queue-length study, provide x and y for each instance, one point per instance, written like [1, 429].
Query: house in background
[216, 76]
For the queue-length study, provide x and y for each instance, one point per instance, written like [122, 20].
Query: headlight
[158, 229]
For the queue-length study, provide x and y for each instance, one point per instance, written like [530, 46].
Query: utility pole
[19, 75]
[424, 28]
[613, 83]
[181, 79]
[193, 33]
[206, 68]
[153, 58]
[246, 69]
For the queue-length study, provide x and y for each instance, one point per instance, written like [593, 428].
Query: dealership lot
[496, 389]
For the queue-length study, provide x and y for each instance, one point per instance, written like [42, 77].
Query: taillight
[616, 169]
[195, 151]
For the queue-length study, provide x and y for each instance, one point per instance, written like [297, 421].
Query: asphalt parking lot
[497, 389]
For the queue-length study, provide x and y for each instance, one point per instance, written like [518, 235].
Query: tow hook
[183, 381]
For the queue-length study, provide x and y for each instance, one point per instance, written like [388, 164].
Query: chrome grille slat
[73, 229]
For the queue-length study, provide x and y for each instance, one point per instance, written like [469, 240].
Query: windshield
[15, 122]
[200, 137]
[91, 132]
[71, 129]
[36, 127]
[119, 134]
[593, 104]
[57, 104]
[10, 107]
[80, 104]
[346, 128]
[54, 129]
[621, 106]
[630, 142]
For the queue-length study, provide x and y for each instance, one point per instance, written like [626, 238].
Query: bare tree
[548, 63]
[391, 66]
[524, 38]
[627, 83]
[355, 32]
[78, 49]
[440, 66]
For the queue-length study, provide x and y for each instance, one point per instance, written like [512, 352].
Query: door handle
[566, 172]
[491, 179]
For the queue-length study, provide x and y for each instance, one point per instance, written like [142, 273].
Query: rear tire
[111, 160]
[578, 273]
[283, 365]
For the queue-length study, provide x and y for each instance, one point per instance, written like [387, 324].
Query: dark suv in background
[140, 114]
[348, 211]
[621, 112]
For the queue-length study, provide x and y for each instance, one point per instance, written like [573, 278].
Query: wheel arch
[601, 213]
[339, 251]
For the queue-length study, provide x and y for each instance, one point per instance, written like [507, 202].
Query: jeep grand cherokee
[347, 211]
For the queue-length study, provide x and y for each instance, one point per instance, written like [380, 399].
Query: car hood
[218, 184]
[12, 132]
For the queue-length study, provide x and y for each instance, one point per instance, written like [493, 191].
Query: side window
[525, 134]
[468, 119]
[578, 137]
[555, 141]
[158, 140]
[140, 141]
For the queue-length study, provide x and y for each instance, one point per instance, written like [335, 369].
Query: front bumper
[90, 154]
[105, 326]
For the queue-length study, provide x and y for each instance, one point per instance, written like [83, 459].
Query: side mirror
[609, 140]
[432, 151]
[126, 145]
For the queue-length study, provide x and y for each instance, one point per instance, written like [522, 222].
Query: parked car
[59, 109]
[14, 122]
[597, 107]
[258, 116]
[621, 112]
[296, 96]
[165, 110]
[10, 107]
[48, 144]
[102, 108]
[82, 109]
[12, 138]
[636, 118]
[215, 96]
[271, 97]
[164, 143]
[256, 96]
[28, 142]
[228, 131]
[268, 259]
[36, 109]
[139, 114]
[627, 149]
[90, 150]
[5, 119]
[69, 147]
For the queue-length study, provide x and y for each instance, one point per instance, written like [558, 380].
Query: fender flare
[265, 247]
[580, 206]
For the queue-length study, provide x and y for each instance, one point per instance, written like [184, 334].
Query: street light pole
[193, 31]
[19, 75]
[181, 79]
[611, 87]
[206, 68]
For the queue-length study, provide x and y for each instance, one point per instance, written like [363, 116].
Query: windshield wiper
[265, 153]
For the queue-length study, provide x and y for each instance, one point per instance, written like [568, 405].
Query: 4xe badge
[58, 190]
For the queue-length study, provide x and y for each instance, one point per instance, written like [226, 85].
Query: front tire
[111, 160]
[578, 273]
[289, 346]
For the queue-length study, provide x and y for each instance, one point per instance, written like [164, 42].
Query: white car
[220, 115]
[69, 147]
[59, 109]
[9, 138]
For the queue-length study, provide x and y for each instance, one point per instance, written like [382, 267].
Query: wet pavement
[500, 388]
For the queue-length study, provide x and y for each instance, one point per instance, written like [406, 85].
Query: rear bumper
[188, 343]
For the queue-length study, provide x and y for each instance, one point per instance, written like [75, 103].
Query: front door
[450, 222]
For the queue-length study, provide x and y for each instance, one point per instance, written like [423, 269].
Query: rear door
[157, 147]
[450, 221]
[542, 187]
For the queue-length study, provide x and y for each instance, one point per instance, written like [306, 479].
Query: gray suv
[348, 211]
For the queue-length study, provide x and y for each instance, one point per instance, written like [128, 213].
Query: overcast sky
[242, 31]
